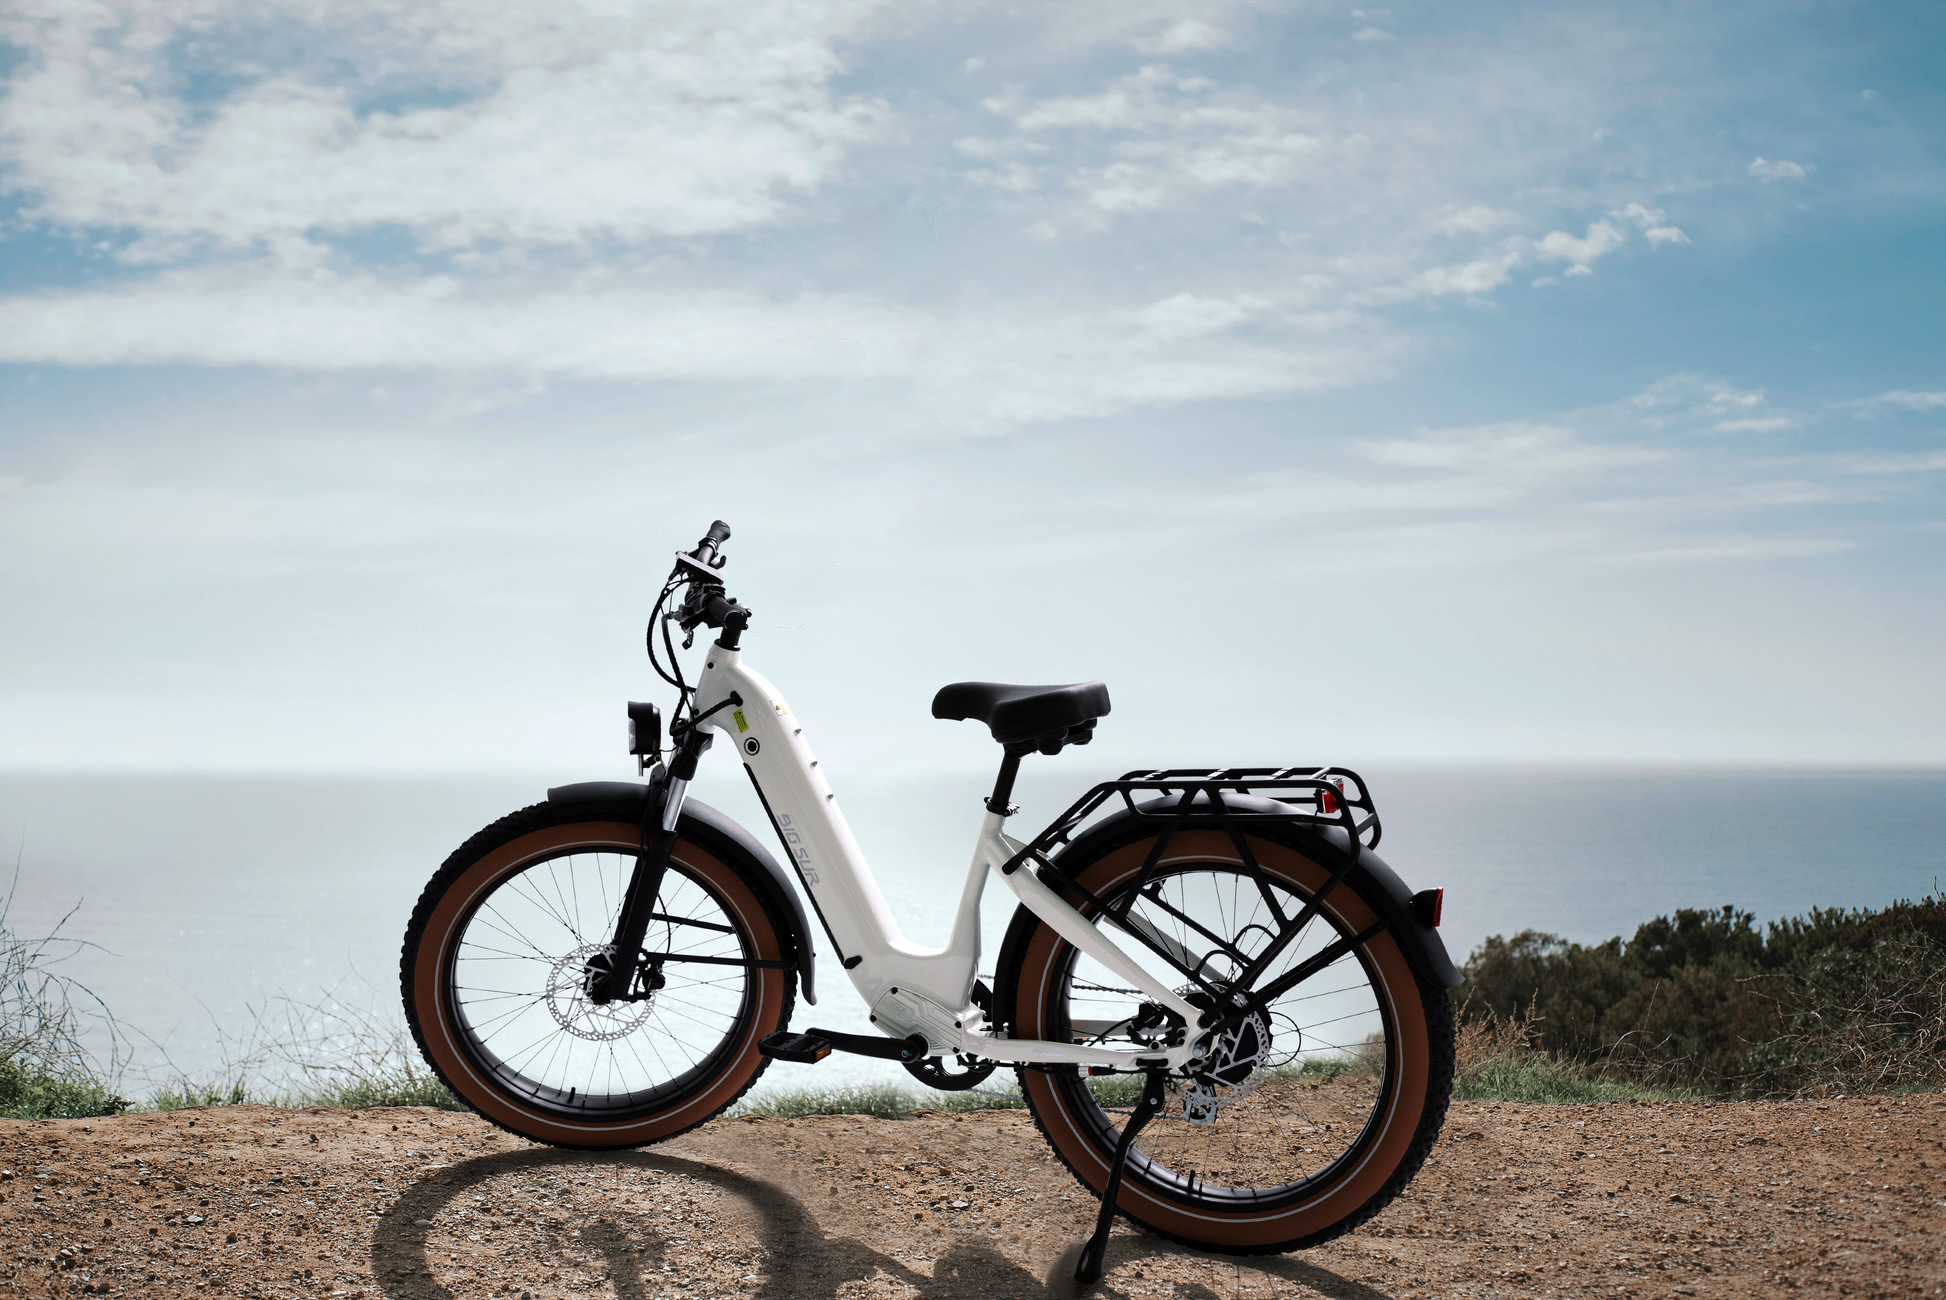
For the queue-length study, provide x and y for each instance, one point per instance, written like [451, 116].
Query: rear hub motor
[1232, 1058]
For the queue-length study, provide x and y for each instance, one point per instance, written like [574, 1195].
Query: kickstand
[1088, 1267]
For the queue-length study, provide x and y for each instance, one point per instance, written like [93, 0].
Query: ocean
[200, 897]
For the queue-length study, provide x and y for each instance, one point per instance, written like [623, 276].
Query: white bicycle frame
[910, 989]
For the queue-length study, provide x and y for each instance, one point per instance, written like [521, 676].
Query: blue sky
[1521, 383]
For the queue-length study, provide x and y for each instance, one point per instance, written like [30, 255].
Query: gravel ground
[1841, 1197]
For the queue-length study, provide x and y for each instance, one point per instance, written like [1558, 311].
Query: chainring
[934, 1072]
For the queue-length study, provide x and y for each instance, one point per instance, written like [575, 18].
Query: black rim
[512, 986]
[1176, 1159]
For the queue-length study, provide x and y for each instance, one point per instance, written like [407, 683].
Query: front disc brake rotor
[568, 1001]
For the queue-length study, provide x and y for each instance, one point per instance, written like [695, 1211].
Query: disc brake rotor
[573, 1011]
[1231, 1068]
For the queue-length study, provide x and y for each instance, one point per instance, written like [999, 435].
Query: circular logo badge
[751, 746]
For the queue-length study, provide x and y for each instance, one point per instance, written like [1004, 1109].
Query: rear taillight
[1427, 905]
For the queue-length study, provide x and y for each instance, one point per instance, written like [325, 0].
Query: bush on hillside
[1831, 1000]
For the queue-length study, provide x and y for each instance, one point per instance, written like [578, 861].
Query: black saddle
[1041, 717]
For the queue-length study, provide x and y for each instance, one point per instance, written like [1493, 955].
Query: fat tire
[1429, 1000]
[773, 1004]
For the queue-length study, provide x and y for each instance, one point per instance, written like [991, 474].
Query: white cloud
[1702, 405]
[1905, 399]
[1482, 275]
[1183, 37]
[1781, 170]
[1737, 550]
[1908, 463]
[1526, 450]
[1176, 136]
[1012, 366]
[1477, 219]
[1365, 34]
[562, 124]
[1497, 264]
[1559, 246]
[1652, 223]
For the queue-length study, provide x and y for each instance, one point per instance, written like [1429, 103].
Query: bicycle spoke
[520, 966]
[1298, 1084]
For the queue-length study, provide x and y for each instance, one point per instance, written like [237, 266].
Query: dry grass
[346, 1047]
[1854, 1023]
[1495, 1059]
[46, 1069]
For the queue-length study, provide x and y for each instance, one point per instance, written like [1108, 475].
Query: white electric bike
[1228, 1016]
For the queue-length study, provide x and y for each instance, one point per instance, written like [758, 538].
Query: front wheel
[1302, 1121]
[495, 968]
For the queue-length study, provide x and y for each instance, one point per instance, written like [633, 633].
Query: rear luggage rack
[1325, 797]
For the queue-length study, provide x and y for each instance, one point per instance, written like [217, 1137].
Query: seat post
[1003, 785]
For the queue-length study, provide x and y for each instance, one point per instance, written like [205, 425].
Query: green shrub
[1705, 1000]
[1540, 1077]
[28, 1094]
[361, 1094]
[185, 1093]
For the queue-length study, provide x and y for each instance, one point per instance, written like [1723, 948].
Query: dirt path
[1846, 1197]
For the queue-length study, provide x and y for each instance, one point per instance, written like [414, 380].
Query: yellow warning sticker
[743, 723]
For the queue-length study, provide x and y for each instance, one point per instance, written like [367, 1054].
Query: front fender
[730, 841]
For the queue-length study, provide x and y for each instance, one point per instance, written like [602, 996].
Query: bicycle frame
[910, 989]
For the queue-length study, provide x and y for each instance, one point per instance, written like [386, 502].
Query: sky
[1522, 383]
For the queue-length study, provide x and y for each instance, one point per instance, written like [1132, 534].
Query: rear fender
[1379, 884]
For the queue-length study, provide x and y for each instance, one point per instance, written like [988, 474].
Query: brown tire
[493, 963]
[1329, 1103]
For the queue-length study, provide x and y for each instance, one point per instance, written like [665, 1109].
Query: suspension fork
[612, 978]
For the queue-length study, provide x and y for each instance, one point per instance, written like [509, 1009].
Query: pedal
[806, 1049]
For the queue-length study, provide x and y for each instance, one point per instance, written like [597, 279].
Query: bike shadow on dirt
[807, 1263]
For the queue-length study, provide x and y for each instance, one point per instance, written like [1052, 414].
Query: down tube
[805, 814]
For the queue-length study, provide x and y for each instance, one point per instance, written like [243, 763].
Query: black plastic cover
[644, 729]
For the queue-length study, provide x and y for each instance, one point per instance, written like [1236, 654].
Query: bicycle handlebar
[719, 609]
[706, 602]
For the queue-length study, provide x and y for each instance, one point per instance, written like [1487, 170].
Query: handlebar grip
[705, 552]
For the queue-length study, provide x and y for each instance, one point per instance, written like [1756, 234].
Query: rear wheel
[1302, 1121]
[495, 965]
